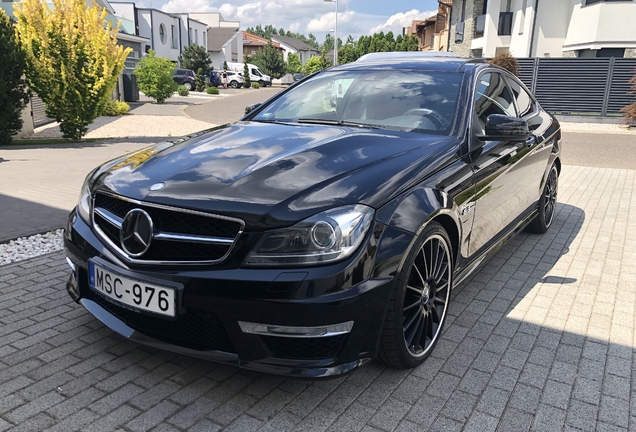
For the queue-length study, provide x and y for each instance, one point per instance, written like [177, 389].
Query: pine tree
[72, 57]
[13, 92]
[270, 61]
[195, 57]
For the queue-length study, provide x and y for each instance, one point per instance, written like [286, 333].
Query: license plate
[135, 293]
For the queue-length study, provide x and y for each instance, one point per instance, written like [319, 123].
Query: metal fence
[580, 86]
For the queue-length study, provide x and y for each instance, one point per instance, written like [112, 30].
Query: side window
[525, 103]
[492, 97]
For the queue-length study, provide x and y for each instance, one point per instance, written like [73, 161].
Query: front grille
[174, 221]
[196, 330]
[303, 348]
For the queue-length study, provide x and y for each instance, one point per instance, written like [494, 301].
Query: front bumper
[216, 303]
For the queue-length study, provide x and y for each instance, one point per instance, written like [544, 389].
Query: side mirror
[249, 109]
[502, 127]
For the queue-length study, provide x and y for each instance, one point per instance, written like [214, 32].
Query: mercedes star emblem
[136, 232]
[157, 186]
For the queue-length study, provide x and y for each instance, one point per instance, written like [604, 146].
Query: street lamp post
[335, 34]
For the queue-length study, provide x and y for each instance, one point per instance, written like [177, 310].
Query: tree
[347, 54]
[317, 63]
[293, 63]
[195, 57]
[72, 59]
[13, 92]
[246, 73]
[155, 77]
[225, 65]
[270, 60]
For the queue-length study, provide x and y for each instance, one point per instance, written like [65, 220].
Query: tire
[419, 302]
[547, 203]
[261, 83]
[234, 84]
[188, 85]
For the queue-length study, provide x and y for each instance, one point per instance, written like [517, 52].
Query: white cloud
[294, 27]
[328, 21]
[396, 22]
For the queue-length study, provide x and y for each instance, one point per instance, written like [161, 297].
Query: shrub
[195, 57]
[630, 110]
[183, 90]
[13, 93]
[246, 73]
[73, 59]
[506, 61]
[199, 82]
[115, 108]
[255, 85]
[212, 90]
[154, 77]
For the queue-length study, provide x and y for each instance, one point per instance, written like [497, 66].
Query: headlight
[326, 237]
[84, 205]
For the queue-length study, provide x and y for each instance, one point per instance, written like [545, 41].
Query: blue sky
[355, 17]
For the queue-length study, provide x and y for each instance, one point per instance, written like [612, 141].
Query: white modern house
[225, 44]
[289, 44]
[544, 28]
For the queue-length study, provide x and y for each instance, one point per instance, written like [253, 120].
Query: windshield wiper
[338, 123]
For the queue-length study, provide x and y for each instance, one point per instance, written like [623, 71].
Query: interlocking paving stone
[540, 338]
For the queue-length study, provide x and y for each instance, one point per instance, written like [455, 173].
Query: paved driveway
[541, 338]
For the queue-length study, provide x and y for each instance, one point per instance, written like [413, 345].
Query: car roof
[414, 60]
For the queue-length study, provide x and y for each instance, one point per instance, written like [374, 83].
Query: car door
[502, 168]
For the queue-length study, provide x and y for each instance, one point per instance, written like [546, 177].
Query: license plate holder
[134, 292]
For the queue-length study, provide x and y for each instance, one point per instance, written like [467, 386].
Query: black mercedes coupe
[328, 226]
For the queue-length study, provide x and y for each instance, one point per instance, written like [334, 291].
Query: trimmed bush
[630, 110]
[154, 77]
[506, 61]
[212, 91]
[255, 85]
[183, 90]
[114, 108]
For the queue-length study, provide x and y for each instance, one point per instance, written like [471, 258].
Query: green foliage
[246, 74]
[506, 61]
[212, 90]
[270, 61]
[72, 59]
[328, 44]
[315, 64]
[183, 90]
[225, 65]
[13, 91]
[154, 77]
[270, 30]
[293, 63]
[199, 81]
[114, 108]
[195, 57]
[378, 42]
[256, 85]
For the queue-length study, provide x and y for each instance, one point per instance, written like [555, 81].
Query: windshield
[402, 100]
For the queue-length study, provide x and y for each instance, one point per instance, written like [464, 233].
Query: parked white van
[255, 73]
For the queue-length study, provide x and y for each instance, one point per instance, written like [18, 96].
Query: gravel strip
[29, 247]
[603, 128]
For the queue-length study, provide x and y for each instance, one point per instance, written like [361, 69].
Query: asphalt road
[600, 150]
[231, 108]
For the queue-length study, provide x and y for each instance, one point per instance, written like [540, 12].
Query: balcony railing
[505, 24]
[480, 26]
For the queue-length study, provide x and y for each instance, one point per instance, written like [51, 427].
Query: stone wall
[474, 8]
[569, 54]
[630, 53]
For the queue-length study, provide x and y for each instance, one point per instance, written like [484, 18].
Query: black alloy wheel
[547, 203]
[419, 305]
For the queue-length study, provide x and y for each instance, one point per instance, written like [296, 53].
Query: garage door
[39, 116]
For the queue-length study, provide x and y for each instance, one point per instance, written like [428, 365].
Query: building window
[589, 2]
[522, 18]
[189, 36]
[196, 36]
[162, 33]
[205, 40]
[174, 37]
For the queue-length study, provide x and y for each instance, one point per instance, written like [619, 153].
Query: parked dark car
[322, 230]
[185, 77]
[215, 79]
[298, 76]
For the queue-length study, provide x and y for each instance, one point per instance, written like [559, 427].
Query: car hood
[272, 175]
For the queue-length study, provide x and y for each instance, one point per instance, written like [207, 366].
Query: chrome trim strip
[192, 238]
[128, 259]
[71, 265]
[296, 332]
[111, 218]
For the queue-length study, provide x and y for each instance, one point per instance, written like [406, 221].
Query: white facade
[193, 31]
[214, 19]
[163, 30]
[549, 28]
[304, 55]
